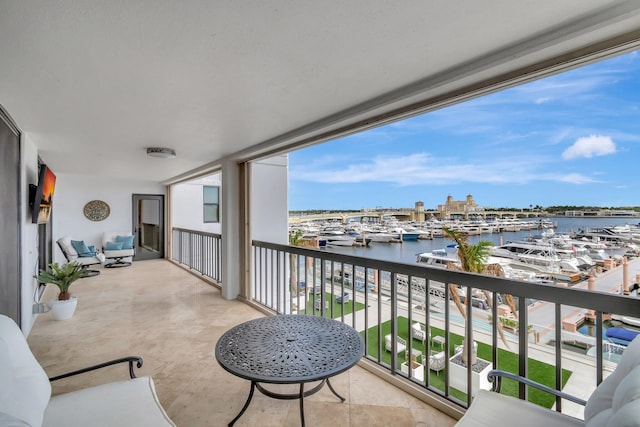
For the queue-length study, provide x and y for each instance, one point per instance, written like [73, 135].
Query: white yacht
[541, 259]
[439, 258]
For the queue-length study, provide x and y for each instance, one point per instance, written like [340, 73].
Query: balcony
[172, 319]
[535, 337]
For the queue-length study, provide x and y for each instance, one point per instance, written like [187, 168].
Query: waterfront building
[451, 206]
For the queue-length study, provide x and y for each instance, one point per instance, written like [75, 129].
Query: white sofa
[614, 403]
[25, 393]
[117, 256]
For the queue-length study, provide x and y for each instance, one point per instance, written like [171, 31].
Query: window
[211, 203]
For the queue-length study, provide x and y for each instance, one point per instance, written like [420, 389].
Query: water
[407, 251]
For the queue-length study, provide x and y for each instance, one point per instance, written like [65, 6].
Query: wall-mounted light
[163, 153]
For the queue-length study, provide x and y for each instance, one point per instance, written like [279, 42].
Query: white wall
[29, 232]
[73, 192]
[187, 205]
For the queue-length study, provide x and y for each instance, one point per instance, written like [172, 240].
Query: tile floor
[172, 319]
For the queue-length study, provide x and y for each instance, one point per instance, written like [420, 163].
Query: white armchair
[419, 333]
[72, 255]
[401, 344]
[25, 392]
[117, 246]
[437, 361]
[615, 402]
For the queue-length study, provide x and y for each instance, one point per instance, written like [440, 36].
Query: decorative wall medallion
[96, 210]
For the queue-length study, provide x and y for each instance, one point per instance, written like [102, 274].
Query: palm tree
[294, 240]
[472, 259]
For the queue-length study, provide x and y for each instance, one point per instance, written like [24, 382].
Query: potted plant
[63, 277]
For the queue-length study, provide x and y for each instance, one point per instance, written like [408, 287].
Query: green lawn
[507, 361]
[338, 308]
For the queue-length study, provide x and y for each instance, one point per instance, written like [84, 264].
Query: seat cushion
[118, 253]
[24, 386]
[606, 400]
[491, 409]
[123, 403]
[88, 260]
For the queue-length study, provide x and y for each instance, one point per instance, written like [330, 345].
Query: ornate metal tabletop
[289, 349]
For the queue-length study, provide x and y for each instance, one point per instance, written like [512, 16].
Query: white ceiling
[95, 83]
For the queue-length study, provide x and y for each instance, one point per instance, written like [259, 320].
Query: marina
[607, 271]
[385, 243]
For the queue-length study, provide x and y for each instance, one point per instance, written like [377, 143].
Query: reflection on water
[589, 328]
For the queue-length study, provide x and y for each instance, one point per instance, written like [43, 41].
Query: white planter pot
[418, 370]
[63, 310]
[458, 377]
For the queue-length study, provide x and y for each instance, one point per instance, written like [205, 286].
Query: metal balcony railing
[383, 300]
[197, 250]
[404, 312]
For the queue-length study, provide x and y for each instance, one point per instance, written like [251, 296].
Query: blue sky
[569, 139]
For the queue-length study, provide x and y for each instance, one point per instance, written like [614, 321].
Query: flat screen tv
[42, 198]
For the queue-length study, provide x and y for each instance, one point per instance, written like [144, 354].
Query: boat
[338, 239]
[375, 233]
[439, 258]
[620, 335]
[404, 234]
[628, 320]
[541, 259]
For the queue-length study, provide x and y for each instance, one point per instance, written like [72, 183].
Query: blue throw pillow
[113, 246]
[127, 241]
[82, 249]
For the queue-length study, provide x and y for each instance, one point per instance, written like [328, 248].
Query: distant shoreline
[596, 217]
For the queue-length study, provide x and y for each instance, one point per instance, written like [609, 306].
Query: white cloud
[542, 100]
[424, 169]
[590, 146]
[576, 178]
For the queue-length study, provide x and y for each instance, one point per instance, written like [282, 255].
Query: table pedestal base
[288, 396]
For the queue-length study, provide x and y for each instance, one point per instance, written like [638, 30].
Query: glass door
[148, 225]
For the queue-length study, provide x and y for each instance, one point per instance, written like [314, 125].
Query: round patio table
[289, 349]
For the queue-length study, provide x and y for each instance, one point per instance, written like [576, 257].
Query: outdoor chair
[344, 298]
[117, 246]
[615, 402]
[419, 333]
[25, 392]
[317, 304]
[401, 344]
[437, 361]
[71, 254]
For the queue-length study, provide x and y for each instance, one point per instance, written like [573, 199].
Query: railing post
[523, 344]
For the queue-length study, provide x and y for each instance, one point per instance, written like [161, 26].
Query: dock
[610, 281]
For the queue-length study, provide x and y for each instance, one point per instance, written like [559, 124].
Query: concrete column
[591, 285]
[230, 226]
[625, 276]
